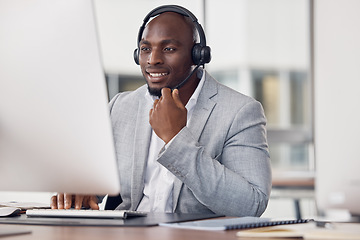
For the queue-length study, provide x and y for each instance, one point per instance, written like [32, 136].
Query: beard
[157, 91]
[154, 91]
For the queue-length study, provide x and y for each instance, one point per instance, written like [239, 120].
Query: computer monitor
[55, 130]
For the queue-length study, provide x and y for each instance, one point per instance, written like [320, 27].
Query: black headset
[201, 53]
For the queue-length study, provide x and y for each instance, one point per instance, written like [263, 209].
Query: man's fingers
[93, 203]
[78, 201]
[165, 93]
[60, 201]
[173, 95]
[68, 200]
[155, 102]
[54, 202]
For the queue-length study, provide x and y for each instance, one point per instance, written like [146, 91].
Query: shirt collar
[194, 97]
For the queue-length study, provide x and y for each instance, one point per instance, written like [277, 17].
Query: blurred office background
[263, 48]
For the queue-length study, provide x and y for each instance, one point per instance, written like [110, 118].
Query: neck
[188, 89]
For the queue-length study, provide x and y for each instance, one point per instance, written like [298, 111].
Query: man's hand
[168, 115]
[66, 201]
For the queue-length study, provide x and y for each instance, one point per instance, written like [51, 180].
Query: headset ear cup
[201, 54]
[206, 54]
[136, 56]
[196, 53]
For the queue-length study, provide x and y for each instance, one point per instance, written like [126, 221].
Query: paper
[309, 231]
[270, 232]
[273, 232]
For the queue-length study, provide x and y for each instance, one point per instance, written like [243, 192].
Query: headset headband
[177, 9]
[201, 53]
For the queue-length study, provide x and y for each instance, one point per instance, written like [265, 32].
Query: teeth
[157, 74]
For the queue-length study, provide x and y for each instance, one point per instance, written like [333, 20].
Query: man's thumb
[176, 97]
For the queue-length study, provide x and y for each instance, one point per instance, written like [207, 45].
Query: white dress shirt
[159, 182]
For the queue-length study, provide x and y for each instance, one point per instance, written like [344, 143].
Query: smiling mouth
[157, 75]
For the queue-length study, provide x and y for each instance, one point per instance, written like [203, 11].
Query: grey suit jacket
[221, 160]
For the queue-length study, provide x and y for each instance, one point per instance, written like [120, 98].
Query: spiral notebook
[233, 223]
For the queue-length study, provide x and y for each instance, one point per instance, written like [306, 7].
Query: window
[263, 51]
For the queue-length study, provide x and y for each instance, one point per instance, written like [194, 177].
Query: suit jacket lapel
[141, 149]
[202, 111]
[204, 106]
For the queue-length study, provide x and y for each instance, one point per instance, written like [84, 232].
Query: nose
[155, 57]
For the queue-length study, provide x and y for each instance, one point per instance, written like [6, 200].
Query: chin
[155, 91]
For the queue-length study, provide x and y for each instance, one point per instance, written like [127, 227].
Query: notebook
[233, 223]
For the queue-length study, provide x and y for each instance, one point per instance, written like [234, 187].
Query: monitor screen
[55, 130]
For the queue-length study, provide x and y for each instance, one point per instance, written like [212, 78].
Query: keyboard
[83, 213]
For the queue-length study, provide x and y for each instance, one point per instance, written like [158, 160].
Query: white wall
[234, 29]
[278, 34]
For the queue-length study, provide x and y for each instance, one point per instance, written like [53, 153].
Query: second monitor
[55, 130]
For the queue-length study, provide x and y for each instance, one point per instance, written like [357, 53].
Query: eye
[169, 49]
[145, 49]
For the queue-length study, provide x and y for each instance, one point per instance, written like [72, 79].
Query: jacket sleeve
[235, 182]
